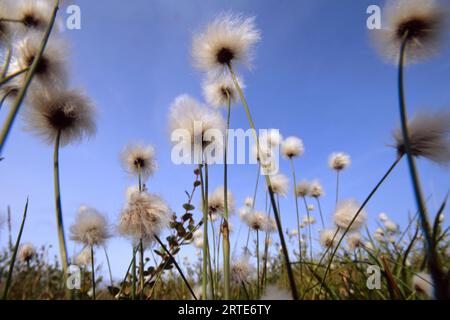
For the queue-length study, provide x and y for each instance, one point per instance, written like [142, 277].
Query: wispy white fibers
[51, 70]
[420, 21]
[90, 227]
[429, 137]
[70, 113]
[292, 147]
[199, 127]
[345, 212]
[216, 202]
[328, 238]
[26, 252]
[280, 184]
[139, 159]
[228, 39]
[339, 161]
[217, 91]
[144, 216]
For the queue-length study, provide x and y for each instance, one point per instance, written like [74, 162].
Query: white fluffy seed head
[429, 137]
[379, 235]
[423, 283]
[244, 213]
[218, 91]
[51, 70]
[5, 27]
[279, 184]
[271, 138]
[292, 147]
[383, 217]
[34, 14]
[309, 220]
[423, 20]
[248, 202]
[226, 40]
[302, 189]
[139, 159]
[315, 189]
[354, 241]
[345, 212]
[328, 238]
[144, 216]
[70, 113]
[258, 221]
[83, 259]
[26, 252]
[199, 126]
[90, 227]
[339, 161]
[216, 202]
[242, 270]
[391, 226]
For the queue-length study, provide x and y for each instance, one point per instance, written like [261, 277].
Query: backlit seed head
[228, 39]
[139, 159]
[70, 113]
[421, 22]
[339, 161]
[429, 137]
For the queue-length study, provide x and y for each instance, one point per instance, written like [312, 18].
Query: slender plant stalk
[297, 212]
[320, 211]
[13, 258]
[58, 206]
[309, 229]
[21, 95]
[374, 190]
[257, 264]
[93, 273]
[177, 266]
[109, 267]
[337, 186]
[133, 275]
[205, 237]
[225, 228]
[439, 278]
[12, 76]
[269, 186]
[141, 269]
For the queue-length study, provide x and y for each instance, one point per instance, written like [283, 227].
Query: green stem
[225, 229]
[93, 273]
[13, 258]
[12, 76]
[177, 266]
[439, 278]
[109, 267]
[309, 229]
[337, 186]
[257, 264]
[205, 238]
[21, 95]
[269, 186]
[58, 206]
[141, 269]
[297, 211]
[320, 211]
[133, 275]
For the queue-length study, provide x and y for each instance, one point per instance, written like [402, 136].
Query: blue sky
[316, 75]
